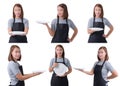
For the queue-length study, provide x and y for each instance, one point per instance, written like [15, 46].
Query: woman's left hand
[105, 36]
[69, 40]
[63, 75]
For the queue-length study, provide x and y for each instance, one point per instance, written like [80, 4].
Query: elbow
[20, 77]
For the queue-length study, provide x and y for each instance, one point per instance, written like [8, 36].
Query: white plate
[97, 29]
[17, 33]
[78, 68]
[42, 22]
[61, 69]
[36, 71]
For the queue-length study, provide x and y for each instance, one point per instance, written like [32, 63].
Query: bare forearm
[51, 32]
[110, 31]
[74, 34]
[113, 75]
[26, 76]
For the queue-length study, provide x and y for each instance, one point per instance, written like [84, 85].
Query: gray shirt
[25, 21]
[13, 70]
[67, 62]
[107, 67]
[105, 21]
[62, 21]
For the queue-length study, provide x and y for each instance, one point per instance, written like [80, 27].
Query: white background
[36, 55]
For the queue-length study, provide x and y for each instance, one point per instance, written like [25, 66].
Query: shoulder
[69, 20]
[66, 59]
[25, 20]
[11, 63]
[52, 59]
[105, 19]
[91, 19]
[11, 20]
[107, 63]
[54, 20]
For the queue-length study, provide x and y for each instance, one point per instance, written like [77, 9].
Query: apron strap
[103, 63]
[55, 59]
[93, 21]
[22, 20]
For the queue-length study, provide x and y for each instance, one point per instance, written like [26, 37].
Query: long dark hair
[10, 57]
[63, 54]
[105, 49]
[102, 12]
[22, 13]
[65, 13]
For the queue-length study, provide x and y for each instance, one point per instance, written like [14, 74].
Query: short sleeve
[51, 62]
[94, 65]
[26, 23]
[109, 67]
[14, 68]
[90, 23]
[71, 24]
[106, 21]
[68, 63]
[53, 24]
[10, 23]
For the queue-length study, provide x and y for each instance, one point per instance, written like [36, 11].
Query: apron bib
[98, 79]
[19, 26]
[59, 81]
[97, 37]
[61, 33]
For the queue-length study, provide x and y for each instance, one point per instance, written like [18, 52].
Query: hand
[37, 73]
[63, 75]
[70, 40]
[55, 65]
[105, 36]
[10, 33]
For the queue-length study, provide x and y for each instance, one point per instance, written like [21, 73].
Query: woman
[18, 23]
[98, 21]
[101, 69]
[15, 70]
[59, 58]
[60, 27]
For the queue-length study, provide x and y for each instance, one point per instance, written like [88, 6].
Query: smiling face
[16, 54]
[59, 51]
[60, 11]
[97, 11]
[101, 54]
[17, 11]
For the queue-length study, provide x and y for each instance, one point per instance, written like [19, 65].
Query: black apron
[20, 83]
[19, 26]
[61, 33]
[97, 36]
[98, 79]
[59, 81]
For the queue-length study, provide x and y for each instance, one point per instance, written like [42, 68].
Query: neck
[102, 60]
[59, 56]
[97, 16]
[61, 18]
[17, 17]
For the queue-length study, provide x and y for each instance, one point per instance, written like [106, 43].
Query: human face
[59, 51]
[16, 54]
[101, 54]
[97, 11]
[17, 11]
[60, 11]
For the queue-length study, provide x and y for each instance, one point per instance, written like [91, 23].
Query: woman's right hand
[37, 73]
[55, 65]
[90, 31]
